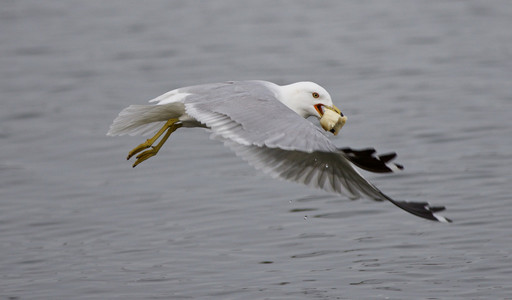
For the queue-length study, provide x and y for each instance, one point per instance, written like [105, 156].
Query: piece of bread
[332, 121]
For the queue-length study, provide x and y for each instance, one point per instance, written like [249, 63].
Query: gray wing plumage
[328, 171]
[248, 113]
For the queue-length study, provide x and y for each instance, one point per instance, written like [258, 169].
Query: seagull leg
[152, 152]
[149, 142]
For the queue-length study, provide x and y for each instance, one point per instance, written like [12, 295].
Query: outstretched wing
[250, 120]
[329, 171]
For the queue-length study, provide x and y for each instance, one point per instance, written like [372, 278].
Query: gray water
[431, 80]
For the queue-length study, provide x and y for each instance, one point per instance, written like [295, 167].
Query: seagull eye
[315, 95]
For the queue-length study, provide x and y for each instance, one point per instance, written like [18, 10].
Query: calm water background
[431, 80]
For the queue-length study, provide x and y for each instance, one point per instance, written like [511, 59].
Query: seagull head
[307, 99]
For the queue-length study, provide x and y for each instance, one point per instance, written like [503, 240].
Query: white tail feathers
[144, 119]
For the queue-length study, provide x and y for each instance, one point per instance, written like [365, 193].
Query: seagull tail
[144, 119]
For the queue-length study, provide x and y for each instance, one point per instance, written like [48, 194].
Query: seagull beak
[320, 110]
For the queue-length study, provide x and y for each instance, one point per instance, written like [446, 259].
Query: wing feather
[328, 171]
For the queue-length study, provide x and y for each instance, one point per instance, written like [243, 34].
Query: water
[430, 80]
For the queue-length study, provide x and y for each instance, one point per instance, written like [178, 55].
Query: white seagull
[266, 125]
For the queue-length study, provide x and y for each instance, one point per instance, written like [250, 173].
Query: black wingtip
[366, 160]
[422, 210]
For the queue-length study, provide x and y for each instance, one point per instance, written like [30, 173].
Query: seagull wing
[329, 171]
[251, 121]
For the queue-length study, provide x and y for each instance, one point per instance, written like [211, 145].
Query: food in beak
[332, 121]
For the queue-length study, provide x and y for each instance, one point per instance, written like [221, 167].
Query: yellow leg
[170, 127]
[152, 152]
[150, 141]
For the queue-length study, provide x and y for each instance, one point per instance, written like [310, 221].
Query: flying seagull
[265, 124]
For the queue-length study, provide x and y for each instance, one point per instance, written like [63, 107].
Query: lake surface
[431, 80]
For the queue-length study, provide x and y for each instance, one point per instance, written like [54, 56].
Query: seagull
[266, 125]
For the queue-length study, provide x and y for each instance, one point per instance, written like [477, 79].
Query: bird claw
[138, 149]
[145, 155]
